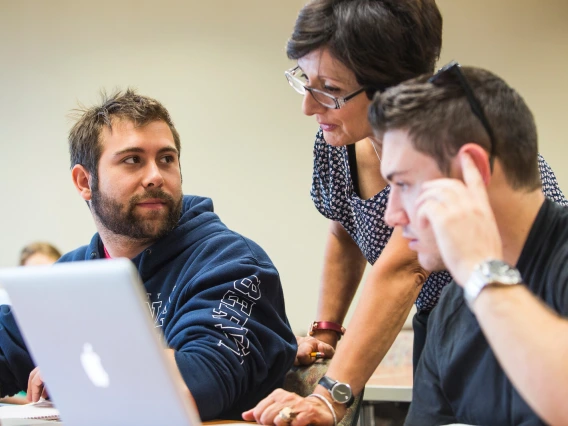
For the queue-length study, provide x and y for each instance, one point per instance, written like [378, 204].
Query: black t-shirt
[458, 378]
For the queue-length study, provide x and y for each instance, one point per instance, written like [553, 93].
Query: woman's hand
[300, 412]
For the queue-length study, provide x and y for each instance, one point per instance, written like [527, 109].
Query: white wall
[526, 43]
[218, 67]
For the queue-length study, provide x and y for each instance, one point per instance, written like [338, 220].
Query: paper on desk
[43, 409]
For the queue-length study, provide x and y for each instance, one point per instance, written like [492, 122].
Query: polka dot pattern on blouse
[334, 197]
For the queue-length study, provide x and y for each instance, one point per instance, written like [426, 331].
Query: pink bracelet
[326, 325]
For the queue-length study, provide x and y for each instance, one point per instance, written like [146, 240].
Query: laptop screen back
[89, 329]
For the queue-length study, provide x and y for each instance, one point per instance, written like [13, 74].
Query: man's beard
[123, 220]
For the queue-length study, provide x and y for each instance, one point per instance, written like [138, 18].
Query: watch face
[341, 392]
[498, 271]
[489, 272]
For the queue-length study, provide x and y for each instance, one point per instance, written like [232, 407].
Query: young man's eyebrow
[389, 177]
[168, 149]
[129, 150]
[138, 150]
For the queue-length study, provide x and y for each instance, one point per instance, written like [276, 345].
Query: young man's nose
[153, 176]
[395, 215]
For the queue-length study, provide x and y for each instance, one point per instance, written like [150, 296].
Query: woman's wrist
[327, 331]
[326, 336]
[328, 405]
[338, 409]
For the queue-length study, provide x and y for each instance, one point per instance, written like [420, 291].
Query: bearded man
[215, 295]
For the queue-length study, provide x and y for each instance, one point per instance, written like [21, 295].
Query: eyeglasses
[298, 83]
[454, 68]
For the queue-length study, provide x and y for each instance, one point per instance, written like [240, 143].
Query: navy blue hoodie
[218, 300]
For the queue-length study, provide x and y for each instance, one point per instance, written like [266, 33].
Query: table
[30, 422]
[388, 384]
[391, 381]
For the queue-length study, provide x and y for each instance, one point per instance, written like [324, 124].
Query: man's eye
[330, 89]
[401, 185]
[168, 159]
[132, 160]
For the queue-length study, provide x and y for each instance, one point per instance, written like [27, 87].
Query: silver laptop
[89, 328]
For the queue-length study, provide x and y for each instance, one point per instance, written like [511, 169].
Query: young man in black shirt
[459, 150]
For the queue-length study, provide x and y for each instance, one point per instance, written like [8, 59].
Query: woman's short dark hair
[384, 42]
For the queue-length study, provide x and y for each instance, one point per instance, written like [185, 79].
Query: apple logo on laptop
[93, 367]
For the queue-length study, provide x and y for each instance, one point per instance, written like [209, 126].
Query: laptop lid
[89, 329]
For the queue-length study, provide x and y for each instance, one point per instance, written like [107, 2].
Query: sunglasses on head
[453, 71]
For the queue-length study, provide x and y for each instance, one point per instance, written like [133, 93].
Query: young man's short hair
[84, 138]
[440, 121]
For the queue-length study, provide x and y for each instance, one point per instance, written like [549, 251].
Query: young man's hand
[36, 387]
[462, 220]
[310, 349]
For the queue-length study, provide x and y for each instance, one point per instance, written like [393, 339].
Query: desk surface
[30, 422]
[392, 381]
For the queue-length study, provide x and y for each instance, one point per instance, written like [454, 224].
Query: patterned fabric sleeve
[328, 190]
[334, 196]
[549, 183]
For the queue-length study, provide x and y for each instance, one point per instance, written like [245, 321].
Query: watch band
[489, 272]
[339, 391]
[326, 325]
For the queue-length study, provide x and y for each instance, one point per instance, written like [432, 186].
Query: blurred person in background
[36, 253]
[39, 253]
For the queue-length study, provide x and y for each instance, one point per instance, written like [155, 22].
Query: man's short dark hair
[84, 138]
[440, 121]
[383, 42]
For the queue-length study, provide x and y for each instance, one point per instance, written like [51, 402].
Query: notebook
[88, 326]
[28, 422]
[43, 409]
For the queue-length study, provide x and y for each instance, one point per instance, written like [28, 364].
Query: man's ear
[480, 158]
[81, 180]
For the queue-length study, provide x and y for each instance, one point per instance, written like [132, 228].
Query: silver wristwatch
[340, 392]
[486, 273]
